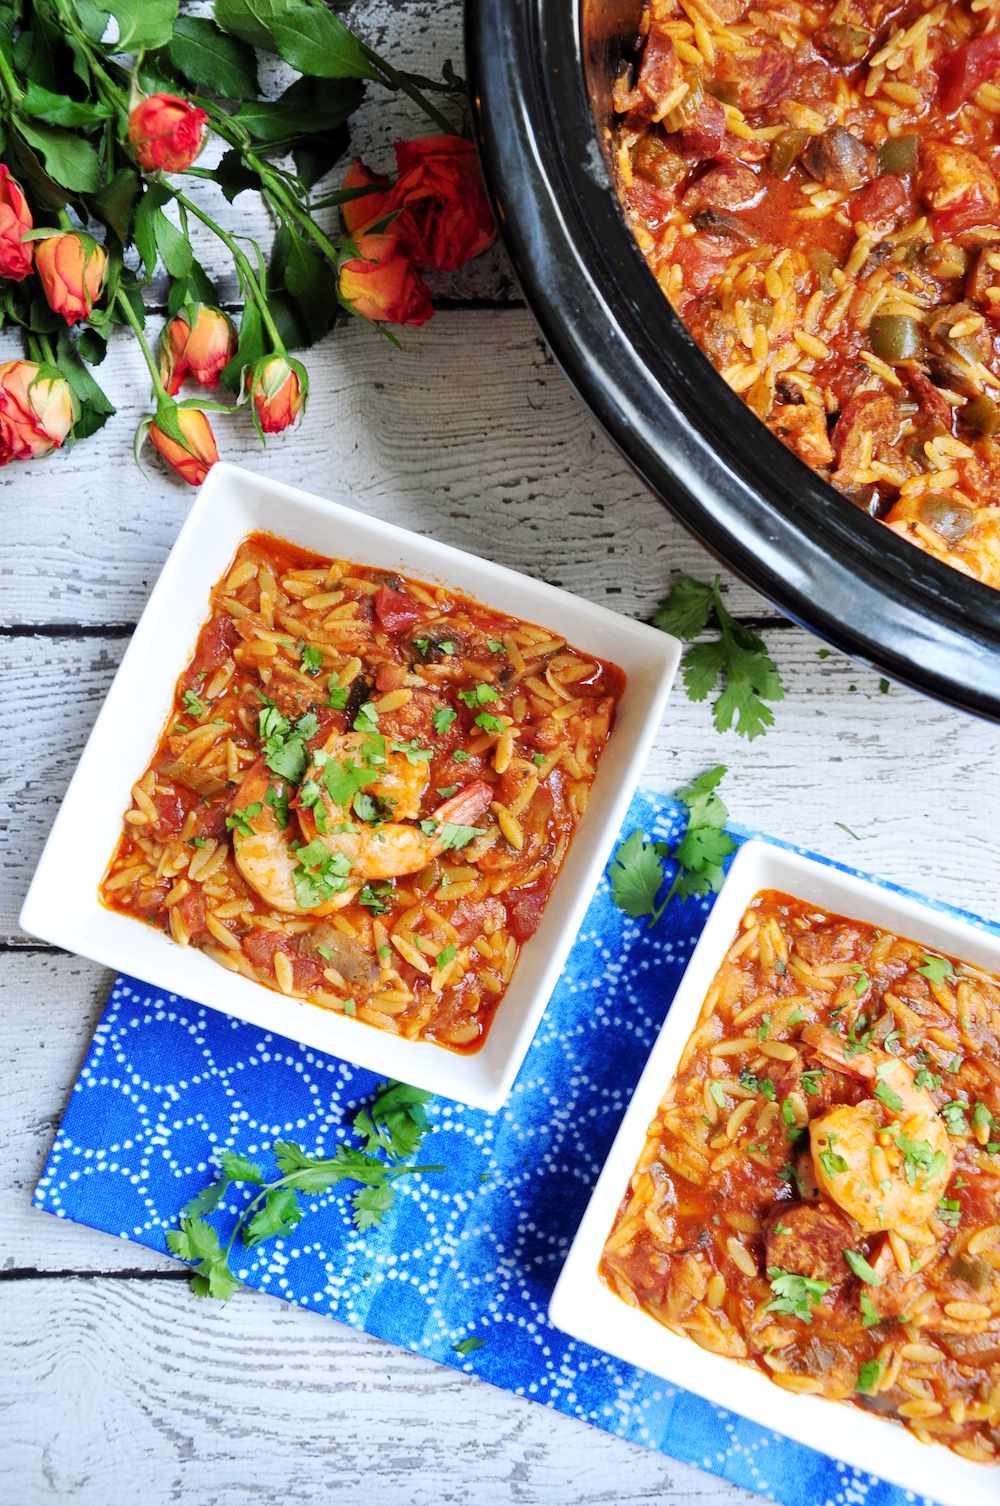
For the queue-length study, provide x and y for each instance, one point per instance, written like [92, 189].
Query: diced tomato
[970, 66]
[702, 260]
[260, 947]
[524, 912]
[653, 205]
[171, 813]
[881, 199]
[966, 214]
[192, 913]
[216, 642]
[394, 610]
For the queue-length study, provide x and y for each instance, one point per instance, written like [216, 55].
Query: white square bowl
[62, 904]
[582, 1305]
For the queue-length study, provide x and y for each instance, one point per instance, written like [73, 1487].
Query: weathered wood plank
[913, 779]
[132, 1391]
[469, 433]
[113, 1387]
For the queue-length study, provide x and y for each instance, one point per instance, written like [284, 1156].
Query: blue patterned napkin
[472, 1253]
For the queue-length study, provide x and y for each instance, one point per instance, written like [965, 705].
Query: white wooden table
[115, 1383]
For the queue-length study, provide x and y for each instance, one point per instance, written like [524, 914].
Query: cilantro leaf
[888, 1097]
[372, 896]
[338, 693]
[833, 1164]
[197, 1243]
[949, 1211]
[869, 1317]
[446, 955]
[415, 754]
[636, 876]
[342, 781]
[312, 657]
[279, 1215]
[489, 722]
[370, 1204]
[277, 799]
[443, 718]
[687, 610]
[367, 718]
[240, 819]
[453, 835]
[795, 1295]
[494, 645]
[869, 1376]
[467, 1346]
[862, 1269]
[925, 1079]
[237, 1168]
[193, 704]
[480, 695]
[447, 790]
[810, 1080]
[954, 1114]
[396, 1121]
[936, 969]
[738, 656]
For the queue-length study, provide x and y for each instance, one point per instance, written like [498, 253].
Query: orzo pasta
[815, 187]
[366, 790]
[819, 1193]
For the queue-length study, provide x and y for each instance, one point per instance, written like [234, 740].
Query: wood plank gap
[28, 1273]
[67, 630]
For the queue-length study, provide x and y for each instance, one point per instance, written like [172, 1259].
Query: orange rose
[195, 457]
[445, 217]
[200, 340]
[364, 211]
[15, 222]
[36, 410]
[278, 389]
[71, 267]
[383, 284]
[166, 133]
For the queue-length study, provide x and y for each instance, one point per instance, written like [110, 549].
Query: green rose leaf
[211, 60]
[69, 160]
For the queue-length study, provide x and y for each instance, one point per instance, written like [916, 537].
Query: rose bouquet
[105, 107]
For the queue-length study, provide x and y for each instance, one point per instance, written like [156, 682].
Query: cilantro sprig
[395, 1125]
[795, 1295]
[637, 871]
[738, 656]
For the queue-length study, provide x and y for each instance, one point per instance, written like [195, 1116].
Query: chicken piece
[687, 1284]
[957, 185]
[838, 160]
[728, 186]
[809, 1241]
[802, 427]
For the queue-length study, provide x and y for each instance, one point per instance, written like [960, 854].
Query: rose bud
[166, 133]
[278, 388]
[36, 410]
[200, 340]
[195, 457]
[15, 222]
[71, 267]
[384, 285]
[445, 217]
[364, 211]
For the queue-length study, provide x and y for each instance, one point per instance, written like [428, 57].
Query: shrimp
[883, 1174]
[400, 783]
[266, 858]
[393, 849]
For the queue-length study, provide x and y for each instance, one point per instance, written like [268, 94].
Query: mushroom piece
[838, 160]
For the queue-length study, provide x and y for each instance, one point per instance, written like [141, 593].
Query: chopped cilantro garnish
[443, 718]
[312, 657]
[833, 1165]
[861, 982]
[415, 754]
[365, 808]
[480, 695]
[448, 954]
[489, 722]
[372, 896]
[936, 969]
[789, 1174]
[538, 758]
[447, 790]
[193, 705]
[453, 835]
[467, 1346]
[796, 1017]
[869, 1317]
[718, 1092]
[869, 1376]
[925, 1079]
[338, 693]
[277, 799]
[810, 1080]
[981, 1116]
[764, 1028]
[324, 952]
[862, 1269]
[423, 644]
[949, 1211]
[953, 1115]
[367, 718]
[446, 647]
[920, 1161]
[385, 952]
[461, 757]
[240, 820]
[494, 646]
[886, 1095]
[197, 842]
[320, 875]
[795, 1295]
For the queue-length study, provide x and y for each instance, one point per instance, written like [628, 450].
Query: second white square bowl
[582, 1305]
[62, 906]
